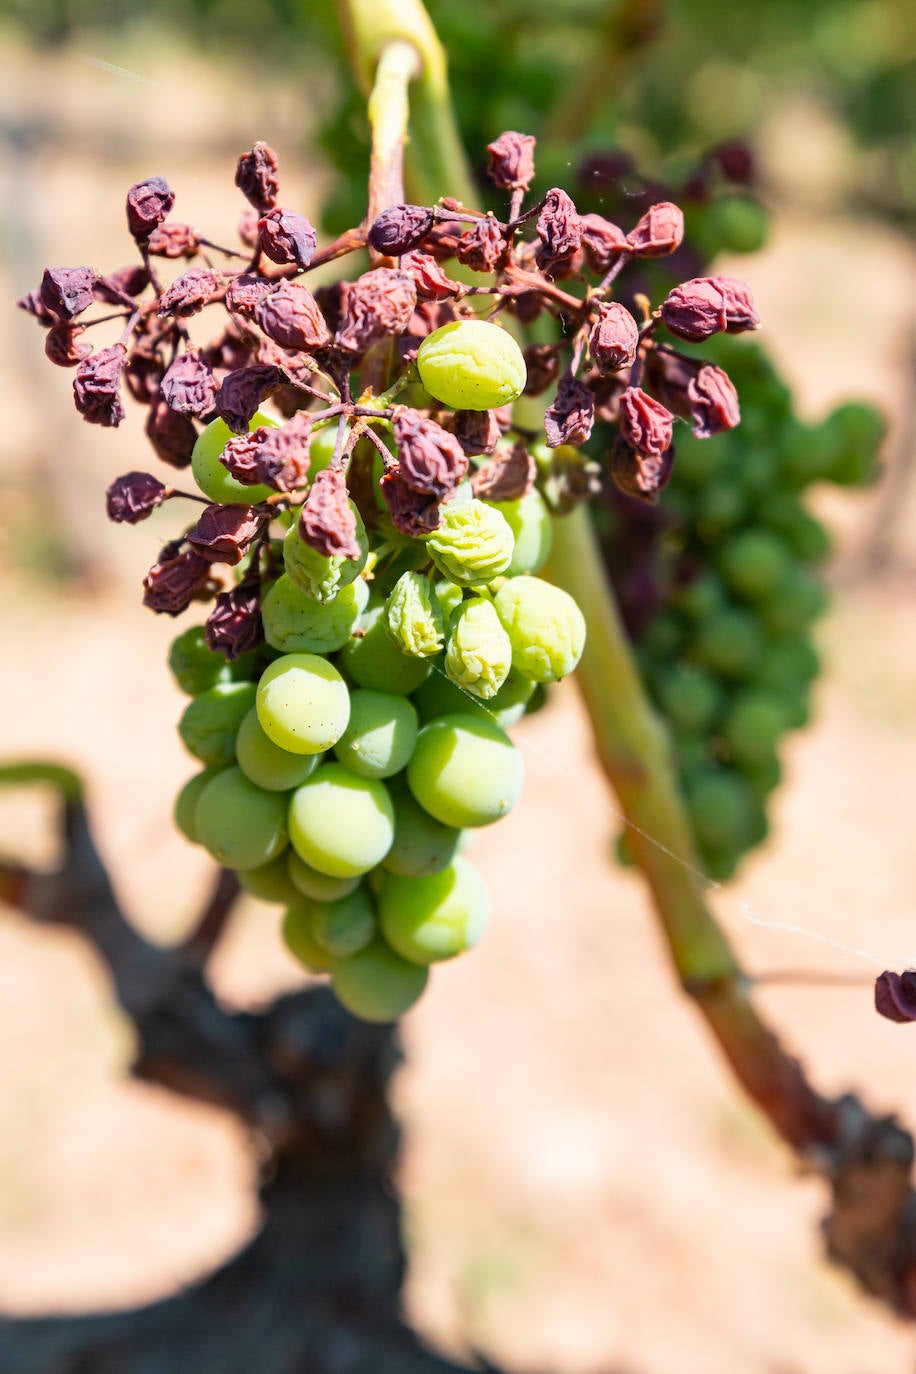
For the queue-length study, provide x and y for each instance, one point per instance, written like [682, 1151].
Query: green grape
[720, 507]
[465, 772]
[720, 864]
[320, 577]
[373, 660]
[664, 637]
[321, 448]
[303, 703]
[804, 534]
[380, 736]
[702, 596]
[436, 917]
[377, 984]
[473, 543]
[798, 601]
[450, 596]
[478, 655]
[690, 698]
[545, 627]
[730, 643]
[763, 776]
[212, 477]
[271, 881]
[855, 431]
[299, 938]
[339, 823]
[265, 763]
[721, 808]
[346, 926]
[321, 887]
[623, 853]
[414, 616]
[296, 623]
[698, 462]
[437, 696]
[195, 667]
[209, 724]
[789, 665]
[186, 803]
[421, 844]
[242, 825]
[753, 726]
[754, 562]
[532, 529]
[472, 365]
[692, 753]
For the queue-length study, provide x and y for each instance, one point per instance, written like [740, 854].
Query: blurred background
[584, 1188]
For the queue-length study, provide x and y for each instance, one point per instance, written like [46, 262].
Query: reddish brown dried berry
[483, 248]
[122, 286]
[97, 387]
[441, 241]
[377, 304]
[275, 457]
[133, 497]
[248, 227]
[431, 461]
[33, 305]
[244, 294]
[148, 204]
[242, 392]
[477, 431]
[173, 436]
[713, 402]
[328, 521]
[172, 583]
[669, 376]
[190, 292]
[400, 228]
[509, 476]
[603, 242]
[284, 237]
[895, 995]
[67, 291]
[543, 364]
[143, 374]
[63, 346]
[224, 534]
[559, 229]
[660, 231]
[291, 317]
[707, 305]
[411, 513]
[256, 177]
[512, 161]
[614, 338]
[643, 475]
[189, 385]
[234, 625]
[644, 422]
[429, 277]
[571, 417]
[174, 240]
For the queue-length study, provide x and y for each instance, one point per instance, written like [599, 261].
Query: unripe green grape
[754, 563]
[465, 772]
[339, 823]
[798, 601]
[789, 665]
[855, 431]
[472, 365]
[210, 723]
[437, 917]
[720, 507]
[478, 655]
[664, 637]
[701, 597]
[377, 984]
[322, 444]
[414, 616]
[195, 667]
[437, 696]
[421, 845]
[690, 698]
[532, 529]
[737, 223]
[450, 596]
[321, 887]
[693, 753]
[270, 882]
[303, 703]
[473, 543]
[719, 865]
[721, 808]
[805, 535]
[346, 926]
[265, 763]
[545, 627]
[298, 936]
[698, 462]
[316, 575]
[380, 736]
[373, 660]
[214, 480]
[731, 643]
[186, 803]
[763, 776]
[242, 825]
[753, 726]
[296, 623]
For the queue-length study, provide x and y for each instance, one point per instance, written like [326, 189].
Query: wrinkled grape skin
[437, 917]
[377, 984]
[544, 625]
[316, 575]
[215, 480]
[321, 887]
[414, 616]
[472, 365]
[241, 825]
[374, 661]
[303, 703]
[296, 623]
[186, 803]
[298, 937]
[478, 655]
[340, 824]
[265, 763]
[380, 736]
[209, 724]
[473, 543]
[465, 772]
[422, 845]
[440, 697]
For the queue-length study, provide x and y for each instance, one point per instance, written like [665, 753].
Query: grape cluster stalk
[376, 511]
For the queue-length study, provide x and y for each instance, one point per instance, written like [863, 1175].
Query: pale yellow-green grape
[186, 802]
[465, 771]
[321, 887]
[414, 615]
[195, 667]
[375, 661]
[473, 543]
[531, 526]
[212, 477]
[449, 595]
[321, 448]
[242, 825]
[296, 623]
[316, 575]
[437, 917]
[422, 845]
[299, 939]
[478, 655]
[270, 882]
[545, 626]
[380, 736]
[437, 696]
[377, 984]
[346, 926]
[209, 724]
[265, 763]
[303, 703]
[339, 823]
[472, 365]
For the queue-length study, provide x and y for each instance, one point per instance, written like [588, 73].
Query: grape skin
[465, 772]
[472, 365]
[380, 736]
[340, 824]
[377, 984]
[265, 763]
[215, 480]
[436, 917]
[242, 825]
[210, 723]
[303, 704]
